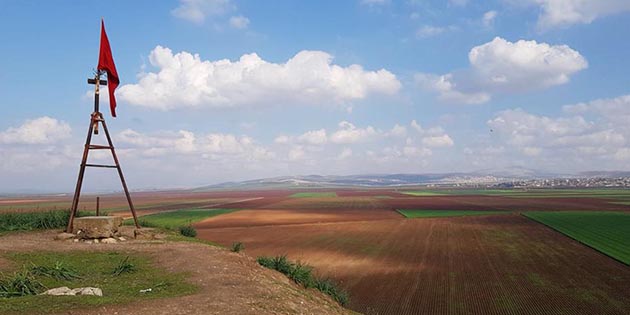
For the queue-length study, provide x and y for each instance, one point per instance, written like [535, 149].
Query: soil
[229, 283]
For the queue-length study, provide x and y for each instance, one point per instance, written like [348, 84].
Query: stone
[88, 291]
[77, 291]
[60, 291]
[122, 239]
[64, 236]
[96, 227]
[109, 240]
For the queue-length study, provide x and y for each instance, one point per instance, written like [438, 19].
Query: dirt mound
[229, 283]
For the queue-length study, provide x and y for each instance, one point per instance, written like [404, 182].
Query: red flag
[106, 62]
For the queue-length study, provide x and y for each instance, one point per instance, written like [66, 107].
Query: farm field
[607, 232]
[411, 214]
[500, 262]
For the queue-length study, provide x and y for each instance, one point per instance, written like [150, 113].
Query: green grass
[606, 193]
[413, 213]
[607, 232]
[422, 193]
[96, 271]
[172, 220]
[313, 195]
[26, 221]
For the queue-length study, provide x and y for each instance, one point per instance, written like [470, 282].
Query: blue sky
[220, 90]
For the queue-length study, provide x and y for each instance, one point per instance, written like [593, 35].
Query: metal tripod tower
[95, 120]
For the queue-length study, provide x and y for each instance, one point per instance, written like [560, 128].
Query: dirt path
[229, 283]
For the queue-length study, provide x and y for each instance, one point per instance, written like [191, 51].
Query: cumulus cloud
[40, 130]
[571, 136]
[438, 141]
[315, 137]
[239, 22]
[184, 80]
[562, 13]
[349, 133]
[183, 142]
[196, 11]
[500, 66]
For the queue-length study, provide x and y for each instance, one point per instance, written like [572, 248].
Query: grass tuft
[302, 274]
[58, 271]
[124, 266]
[21, 283]
[187, 231]
[237, 247]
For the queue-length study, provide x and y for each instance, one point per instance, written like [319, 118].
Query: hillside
[229, 283]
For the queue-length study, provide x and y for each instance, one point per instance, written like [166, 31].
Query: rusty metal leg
[77, 190]
[120, 173]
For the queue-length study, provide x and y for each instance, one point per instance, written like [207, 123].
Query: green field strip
[606, 232]
[415, 213]
[175, 219]
[314, 195]
[421, 193]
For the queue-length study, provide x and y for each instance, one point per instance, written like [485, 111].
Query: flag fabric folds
[106, 63]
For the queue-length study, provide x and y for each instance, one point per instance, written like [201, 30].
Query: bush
[188, 231]
[59, 271]
[237, 247]
[20, 284]
[303, 274]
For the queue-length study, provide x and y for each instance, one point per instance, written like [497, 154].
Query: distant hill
[385, 180]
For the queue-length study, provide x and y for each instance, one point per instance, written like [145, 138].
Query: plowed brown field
[503, 264]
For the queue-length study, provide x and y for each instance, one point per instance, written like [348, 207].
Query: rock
[109, 240]
[96, 227]
[60, 291]
[96, 241]
[64, 236]
[122, 239]
[77, 291]
[88, 291]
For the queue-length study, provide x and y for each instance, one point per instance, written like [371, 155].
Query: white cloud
[533, 134]
[488, 18]
[447, 90]
[210, 146]
[615, 110]
[282, 139]
[184, 80]
[398, 131]
[559, 13]
[500, 66]
[349, 133]
[196, 11]
[296, 153]
[315, 137]
[438, 141]
[42, 130]
[239, 22]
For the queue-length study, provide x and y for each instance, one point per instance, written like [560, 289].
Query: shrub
[59, 271]
[327, 286]
[20, 284]
[188, 231]
[237, 247]
[124, 266]
[303, 274]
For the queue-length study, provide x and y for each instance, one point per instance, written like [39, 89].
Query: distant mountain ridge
[481, 177]
[387, 180]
